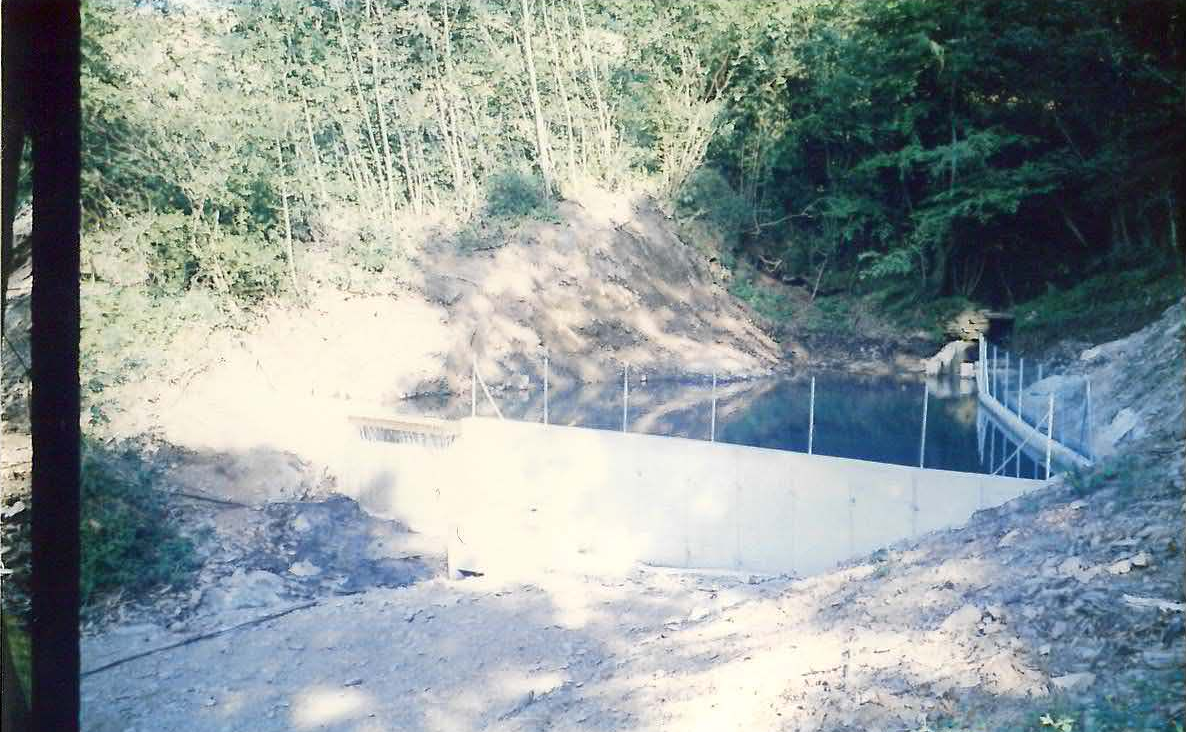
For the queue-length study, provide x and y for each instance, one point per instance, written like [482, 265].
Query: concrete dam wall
[516, 498]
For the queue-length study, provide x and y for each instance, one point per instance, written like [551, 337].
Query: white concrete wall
[525, 497]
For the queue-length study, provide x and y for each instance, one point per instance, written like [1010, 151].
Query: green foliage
[941, 143]
[1111, 303]
[833, 317]
[708, 196]
[126, 334]
[980, 150]
[900, 262]
[511, 195]
[129, 541]
[768, 302]
[17, 636]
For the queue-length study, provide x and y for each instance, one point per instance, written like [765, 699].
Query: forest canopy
[980, 148]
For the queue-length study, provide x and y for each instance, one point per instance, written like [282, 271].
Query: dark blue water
[868, 418]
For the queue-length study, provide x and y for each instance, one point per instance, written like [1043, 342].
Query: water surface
[868, 418]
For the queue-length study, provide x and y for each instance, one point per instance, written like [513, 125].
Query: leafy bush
[235, 260]
[767, 302]
[126, 333]
[833, 317]
[129, 542]
[708, 196]
[511, 194]
[20, 646]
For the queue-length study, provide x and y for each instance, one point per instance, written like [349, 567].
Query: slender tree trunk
[553, 50]
[605, 131]
[317, 167]
[541, 130]
[1066, 217]
[356, 77]
[292, 272]
[388, 168]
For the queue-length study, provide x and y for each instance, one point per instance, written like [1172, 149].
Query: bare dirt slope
[593, 291]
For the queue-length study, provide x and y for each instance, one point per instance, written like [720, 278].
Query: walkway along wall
[516, 498]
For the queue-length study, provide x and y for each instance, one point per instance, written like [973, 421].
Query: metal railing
[1053, 403]
[711, 428]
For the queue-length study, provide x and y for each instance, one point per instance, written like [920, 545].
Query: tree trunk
[292, 272]
[541, 130]
[553, 49]
[388, 168]
[356, 77]
[605, 132]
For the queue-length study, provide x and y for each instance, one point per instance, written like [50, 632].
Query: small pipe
[811, 421]
[473, 388]
[545, 388]
[1090, 431]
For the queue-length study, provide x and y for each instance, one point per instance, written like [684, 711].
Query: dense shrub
[129, 542]
[511, 194]
[707, 195]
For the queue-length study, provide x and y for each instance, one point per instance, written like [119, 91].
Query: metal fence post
[1090, 429]
[1020, 385]
[473, 388]
[1039, 371]
[993, 390]
[1006, 401]
[545, 388]
[712, 425]
[980, 362]
[811, 420]
[1049, 433]
[922, 446]
[625, 393]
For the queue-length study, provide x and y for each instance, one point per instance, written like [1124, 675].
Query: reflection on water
[868, 418]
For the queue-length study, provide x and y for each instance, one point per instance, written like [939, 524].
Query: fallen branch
[196, 638]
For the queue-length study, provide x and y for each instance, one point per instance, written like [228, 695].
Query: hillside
[592, 290]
